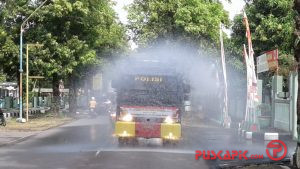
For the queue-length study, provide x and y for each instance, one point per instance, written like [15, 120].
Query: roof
[49, 90]
[8, 85]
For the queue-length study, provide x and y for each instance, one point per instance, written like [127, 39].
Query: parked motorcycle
[2, 118]
[3, 121]
[93, 113]
[104, 106]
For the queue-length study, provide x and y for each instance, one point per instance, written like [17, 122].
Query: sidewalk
[13, 137]
[15, 132]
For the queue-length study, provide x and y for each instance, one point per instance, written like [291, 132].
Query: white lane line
[148, 150]
[97, 153]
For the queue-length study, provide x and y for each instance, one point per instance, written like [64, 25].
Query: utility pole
[21, 74]
[27, 75]
[27, 88]
[297, 58]
[20, 119]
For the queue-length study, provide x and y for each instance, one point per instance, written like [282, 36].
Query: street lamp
[20, 119]
[27, 75]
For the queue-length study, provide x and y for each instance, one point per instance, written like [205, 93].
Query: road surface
[89, 143]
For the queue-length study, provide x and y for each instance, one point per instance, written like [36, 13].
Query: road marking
[97, 153]
[148, 150]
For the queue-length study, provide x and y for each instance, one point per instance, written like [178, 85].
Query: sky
[235, 7]
[119, 8]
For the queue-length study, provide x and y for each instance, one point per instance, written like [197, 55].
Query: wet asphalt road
[89, 143]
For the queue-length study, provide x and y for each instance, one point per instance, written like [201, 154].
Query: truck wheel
[165, 143]
[134, 141]
[121, 141]
[175, 142]
[170, 142]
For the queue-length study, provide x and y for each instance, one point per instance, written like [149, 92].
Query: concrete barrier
[266, 136]
[271, 136]
[15, 113]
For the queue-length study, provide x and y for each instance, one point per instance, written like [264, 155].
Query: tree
[76, 35]
[8, 47]
[2, 77]
[297, 58]
[181, 20]
[272, 26]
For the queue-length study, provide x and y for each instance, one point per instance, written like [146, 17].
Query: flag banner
[226, 117]
[267, 61]
[252, 90]
[272, 57]
[248, 93]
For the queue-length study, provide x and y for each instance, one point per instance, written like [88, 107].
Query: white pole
[225, 110]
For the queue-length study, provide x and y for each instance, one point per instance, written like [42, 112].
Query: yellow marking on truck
[125, 129]
[170, 131]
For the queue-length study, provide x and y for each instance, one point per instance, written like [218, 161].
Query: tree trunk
[73, 95]
[56, 94]
[297, 58]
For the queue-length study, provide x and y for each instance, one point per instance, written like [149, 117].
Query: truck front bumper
[132, 129]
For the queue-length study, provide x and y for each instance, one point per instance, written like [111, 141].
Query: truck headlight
[128, 118]
[169, 120]
[113, 115]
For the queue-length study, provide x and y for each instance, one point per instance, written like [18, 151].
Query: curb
[21, 139]
[266, 136]
[16, 113]
[10, 143]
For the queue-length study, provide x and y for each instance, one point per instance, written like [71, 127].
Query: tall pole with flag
[252, 91]
[226, 118]
[247, 89]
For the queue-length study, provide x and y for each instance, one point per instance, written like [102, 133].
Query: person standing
[92, 106]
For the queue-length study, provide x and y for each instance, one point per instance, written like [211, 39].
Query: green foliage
[272, 26]
[287, 64]
[2, 77]
[77, 35]
[192, 22]
[180, 20]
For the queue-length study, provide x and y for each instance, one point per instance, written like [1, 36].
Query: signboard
[148, 78]
[262, 63]
[147, 111]
[272, 57]
[267, 61]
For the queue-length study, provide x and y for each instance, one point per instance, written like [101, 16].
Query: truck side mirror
[114, 83]
[186, 98]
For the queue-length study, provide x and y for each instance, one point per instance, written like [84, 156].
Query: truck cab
[150, 103]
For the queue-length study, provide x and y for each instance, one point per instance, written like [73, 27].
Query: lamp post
[27, 75]
[20, 119]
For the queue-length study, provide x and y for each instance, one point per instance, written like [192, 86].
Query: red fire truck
[150, 102]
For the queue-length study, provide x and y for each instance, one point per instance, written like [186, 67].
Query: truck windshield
[148, 98]
[149, 90]
[150, 83]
